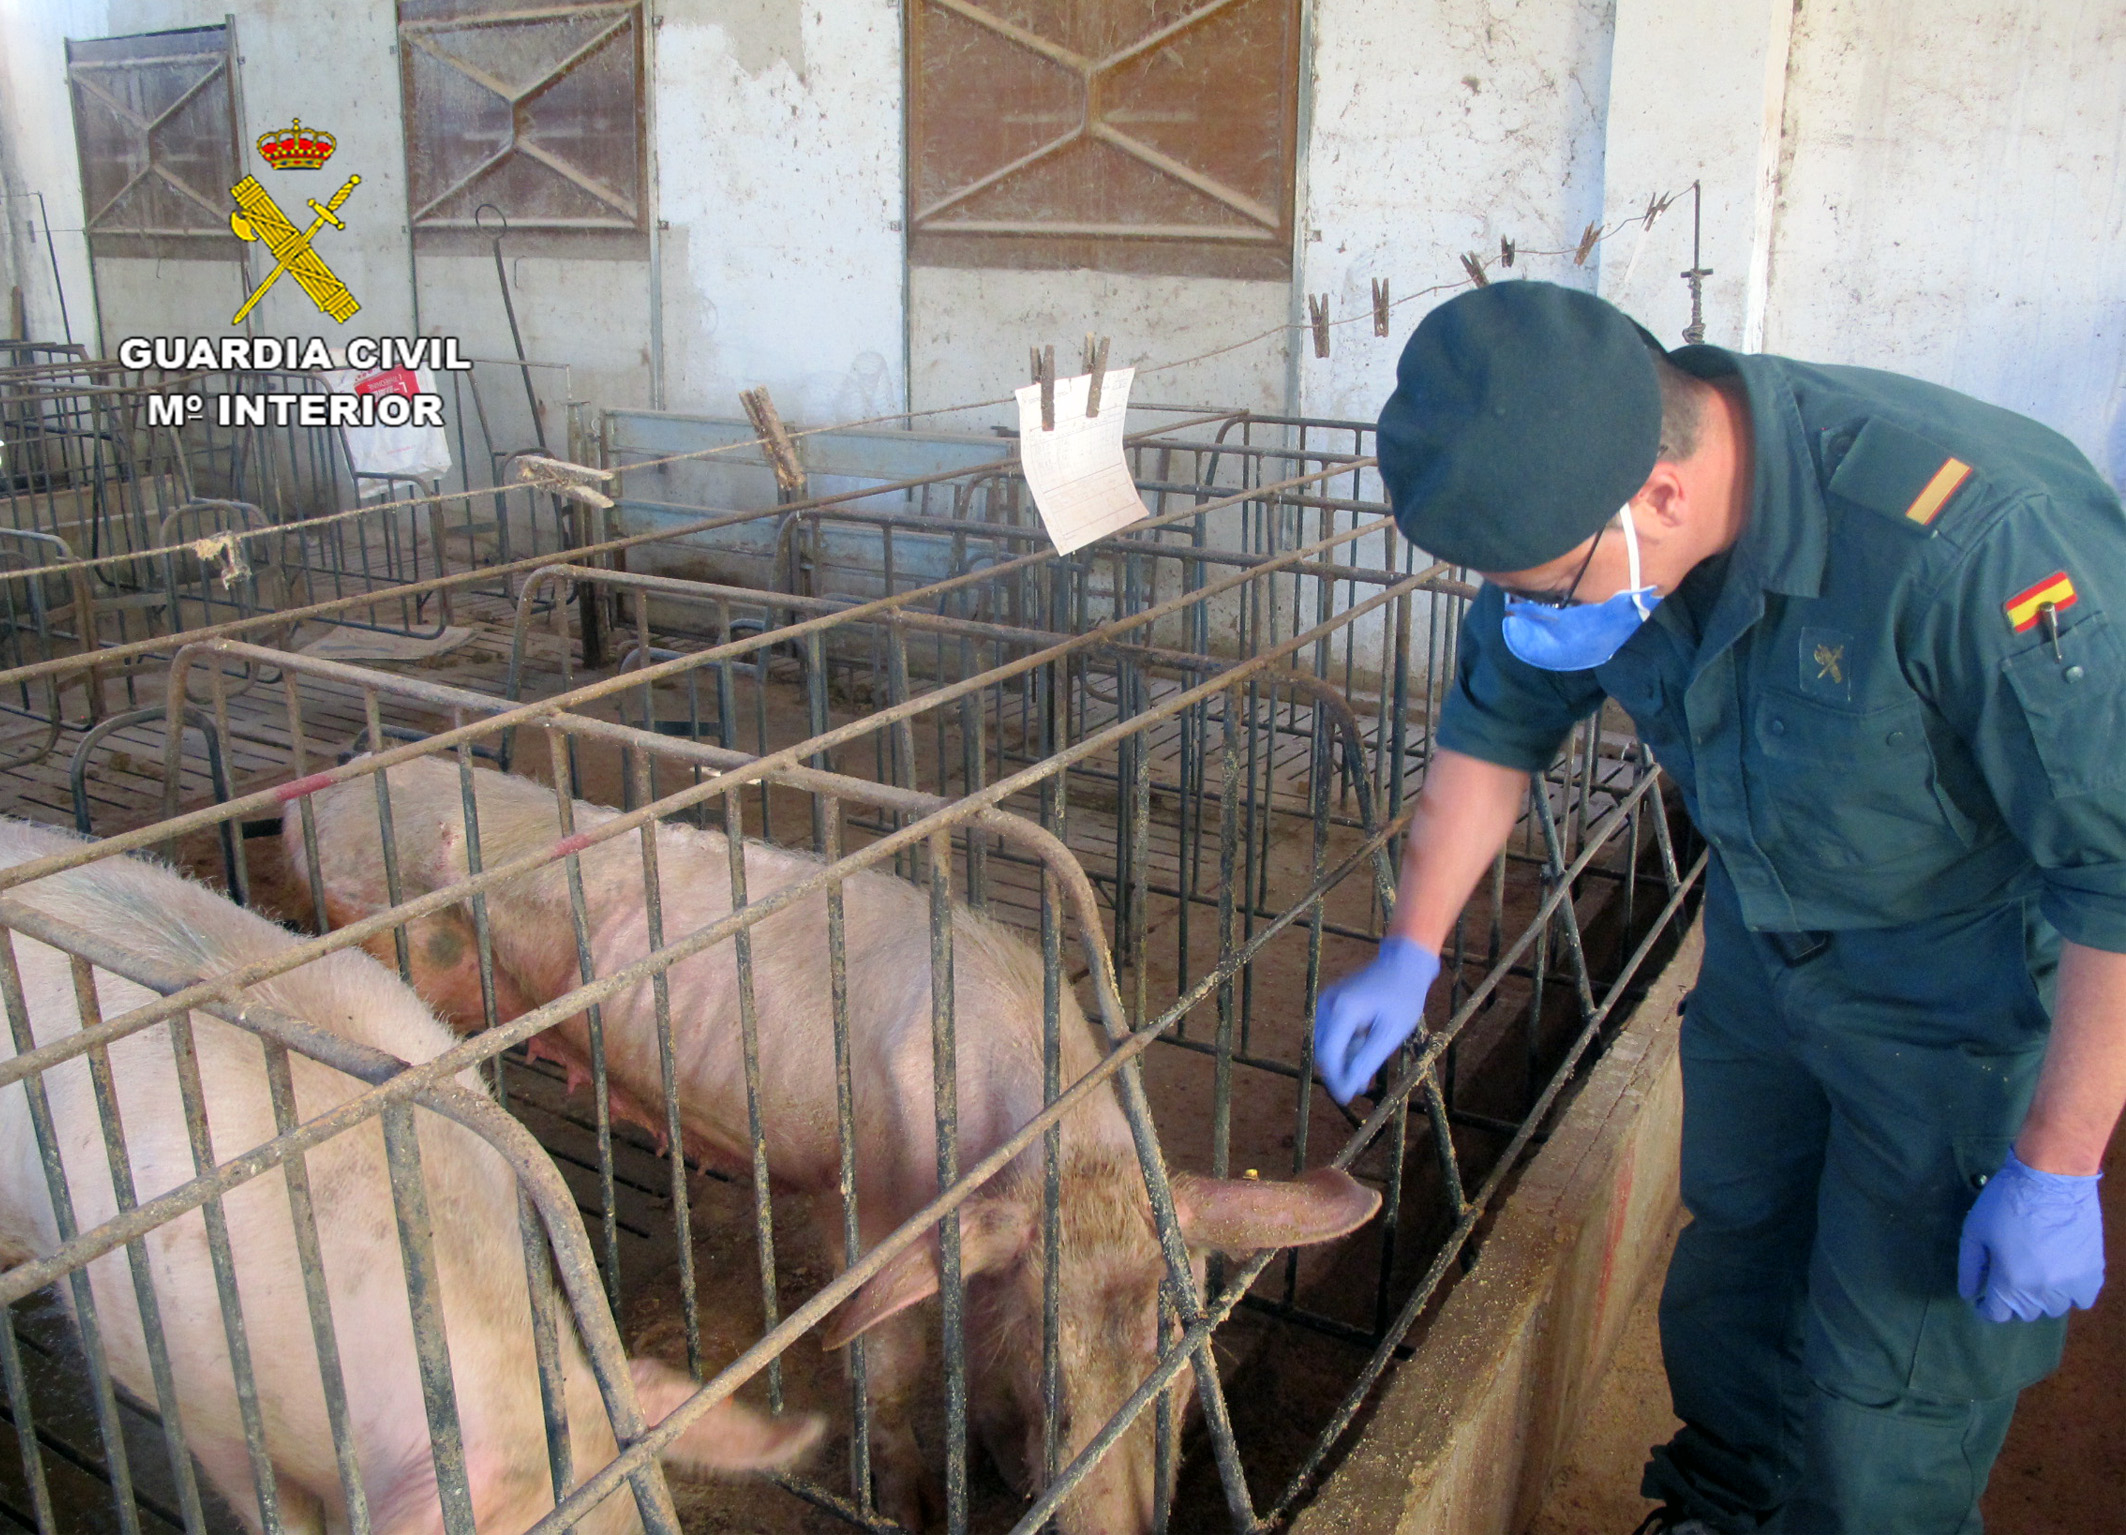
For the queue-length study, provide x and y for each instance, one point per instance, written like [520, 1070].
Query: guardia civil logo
[258, 217]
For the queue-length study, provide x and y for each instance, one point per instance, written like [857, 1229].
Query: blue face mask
[1580, 636]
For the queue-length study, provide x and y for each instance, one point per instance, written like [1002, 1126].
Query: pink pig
[1111, 1268]
[170, 922]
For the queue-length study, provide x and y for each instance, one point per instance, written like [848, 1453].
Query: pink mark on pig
[576, 842]
[302, 787]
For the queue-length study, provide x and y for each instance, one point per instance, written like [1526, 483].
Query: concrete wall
[1439, 126]
[1937, 189]
[1933, 187]
[1952, 199]
[969, 331]
[37, 155]
[779, 154]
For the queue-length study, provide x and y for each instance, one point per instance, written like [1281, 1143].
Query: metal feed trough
[1179, 761]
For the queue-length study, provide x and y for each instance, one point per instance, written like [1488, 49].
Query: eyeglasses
[1564, 599]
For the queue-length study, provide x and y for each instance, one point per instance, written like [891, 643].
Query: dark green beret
[1524, 415]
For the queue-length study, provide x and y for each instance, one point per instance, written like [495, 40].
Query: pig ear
[993, 1232]
[729, 1436]
[1239, 1215]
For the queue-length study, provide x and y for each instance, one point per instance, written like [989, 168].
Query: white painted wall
[969, 331]
[1952, 202]
[1438, 127]
[1723, 134]
[37, 155]
[778, 129]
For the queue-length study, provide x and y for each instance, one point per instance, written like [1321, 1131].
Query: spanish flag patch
[2022, 609]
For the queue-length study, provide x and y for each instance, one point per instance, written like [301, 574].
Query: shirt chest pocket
[2075, 706]
[1849, 787]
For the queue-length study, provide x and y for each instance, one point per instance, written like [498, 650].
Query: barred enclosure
[111, 478]
[928, 914]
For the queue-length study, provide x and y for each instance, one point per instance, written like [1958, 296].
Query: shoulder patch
[1899, 474]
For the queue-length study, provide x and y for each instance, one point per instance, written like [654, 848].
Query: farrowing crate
[109, 501]
[1235, 817]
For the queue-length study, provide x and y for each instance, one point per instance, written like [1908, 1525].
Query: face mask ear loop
[1631, 554]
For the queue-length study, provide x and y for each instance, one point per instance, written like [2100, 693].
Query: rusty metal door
[1144, 135]
[537, 111]
[155, 129]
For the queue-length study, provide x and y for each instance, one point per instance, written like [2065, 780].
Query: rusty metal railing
[1184, 754]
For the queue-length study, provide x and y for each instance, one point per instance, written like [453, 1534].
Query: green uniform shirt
[1873, 728]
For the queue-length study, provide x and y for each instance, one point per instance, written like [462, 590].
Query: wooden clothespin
[1588, 237]
[1473, 264]
[1656, 205]
[1044, 374]
[1380, 306]
[1318, 314]
[561, 478]
[1096, 371]
[1505, 251]
[774, 437]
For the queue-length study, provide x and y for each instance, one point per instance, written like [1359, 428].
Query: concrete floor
[2063, 1471]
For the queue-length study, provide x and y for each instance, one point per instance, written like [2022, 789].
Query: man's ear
[1663, 502]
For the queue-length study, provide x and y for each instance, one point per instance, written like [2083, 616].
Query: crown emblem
[296, 148]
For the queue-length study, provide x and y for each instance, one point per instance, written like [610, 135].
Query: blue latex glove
[2033, 1244]
[1364, 1017]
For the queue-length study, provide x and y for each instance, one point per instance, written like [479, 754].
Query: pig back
[470, 1191]
[997, 974]
[997, 1012]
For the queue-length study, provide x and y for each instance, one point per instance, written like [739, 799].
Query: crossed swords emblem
[258, 217]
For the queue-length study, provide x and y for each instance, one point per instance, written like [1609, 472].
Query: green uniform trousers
[1845, 1096]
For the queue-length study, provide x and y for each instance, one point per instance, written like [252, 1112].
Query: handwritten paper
[1081, 485]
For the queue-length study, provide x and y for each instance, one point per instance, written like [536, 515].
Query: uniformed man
[1865, 625]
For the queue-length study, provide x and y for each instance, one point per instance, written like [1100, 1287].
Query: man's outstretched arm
[1462, 819]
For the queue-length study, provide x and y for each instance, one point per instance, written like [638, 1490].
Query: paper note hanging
[1081, 485]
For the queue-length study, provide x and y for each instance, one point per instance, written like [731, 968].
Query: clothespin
[1044, 374]
[1505, 251]
[1656, 205]
[1318, 314]
[1588, 236]
[774, 437]
[1473, 264]
[1096, 370]
[1380, 306]
[561, 478]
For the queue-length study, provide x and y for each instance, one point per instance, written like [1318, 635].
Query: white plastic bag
[403, 452]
